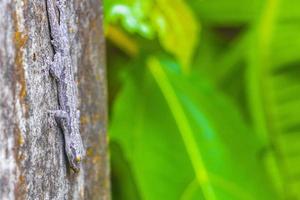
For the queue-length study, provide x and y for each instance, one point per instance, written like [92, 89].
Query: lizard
[60, 68]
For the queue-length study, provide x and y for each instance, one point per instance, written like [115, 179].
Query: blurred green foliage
[204, 98]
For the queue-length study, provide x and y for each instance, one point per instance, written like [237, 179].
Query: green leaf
[227, 12]
[174, 16]
[183, 140]
[273, 85]
[159, 18]
[133, 15]
[154, 151]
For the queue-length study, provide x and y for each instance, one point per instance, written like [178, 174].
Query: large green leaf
[162, 111]
[184, 140]
[270, 49]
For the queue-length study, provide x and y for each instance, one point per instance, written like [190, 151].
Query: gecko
[60, 68]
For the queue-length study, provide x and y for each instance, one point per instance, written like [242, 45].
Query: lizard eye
[76, 155]
[78, 159]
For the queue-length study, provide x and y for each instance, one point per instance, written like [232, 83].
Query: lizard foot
[58, 115]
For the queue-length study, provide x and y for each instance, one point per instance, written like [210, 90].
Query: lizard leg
[61, 118]
[55, 67]
[59, 115]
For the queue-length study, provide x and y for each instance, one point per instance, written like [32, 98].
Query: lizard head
[74, 155]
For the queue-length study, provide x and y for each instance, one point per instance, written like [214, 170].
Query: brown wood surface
[32, 159]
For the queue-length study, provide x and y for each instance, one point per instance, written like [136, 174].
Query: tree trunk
[33, 164]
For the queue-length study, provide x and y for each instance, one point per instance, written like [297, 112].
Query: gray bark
[33, 164]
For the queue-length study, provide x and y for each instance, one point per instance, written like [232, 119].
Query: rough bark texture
[32, 160]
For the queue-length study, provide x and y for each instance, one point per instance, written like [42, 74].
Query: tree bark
[33, 164]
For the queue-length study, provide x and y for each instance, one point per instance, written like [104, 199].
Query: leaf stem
[184, 128]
